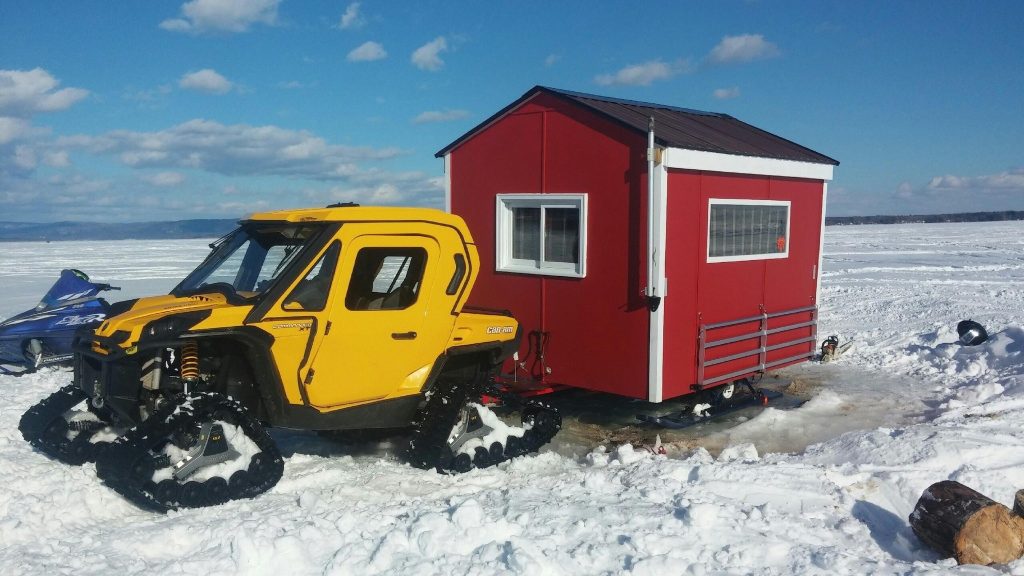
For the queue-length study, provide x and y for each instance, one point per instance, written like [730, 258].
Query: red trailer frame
[585, 214]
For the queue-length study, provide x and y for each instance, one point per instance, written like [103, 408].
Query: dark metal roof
[674, 127]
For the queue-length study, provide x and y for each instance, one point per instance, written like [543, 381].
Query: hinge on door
[327, 328]
[814, 272]
[309, 377]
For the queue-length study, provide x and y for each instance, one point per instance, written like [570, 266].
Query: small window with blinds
[747, 230]
[542, 234]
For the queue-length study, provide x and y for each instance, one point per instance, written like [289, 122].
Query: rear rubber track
[429, 446]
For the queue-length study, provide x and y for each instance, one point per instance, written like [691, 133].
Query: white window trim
[503, 261]
[738, 202]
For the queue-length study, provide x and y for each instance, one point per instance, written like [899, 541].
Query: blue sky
[158, 110]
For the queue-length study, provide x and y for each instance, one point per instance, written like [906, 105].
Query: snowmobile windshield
[72, 286]
[244, 264]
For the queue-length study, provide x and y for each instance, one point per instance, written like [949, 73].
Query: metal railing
[761, 337]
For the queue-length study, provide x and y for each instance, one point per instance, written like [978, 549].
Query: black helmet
[971, 333]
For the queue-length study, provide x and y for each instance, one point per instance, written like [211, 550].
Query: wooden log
[1018, 503]
[968, 525]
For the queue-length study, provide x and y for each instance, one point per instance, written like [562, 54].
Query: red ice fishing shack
[647, 251]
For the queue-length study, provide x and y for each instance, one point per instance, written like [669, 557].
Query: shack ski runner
[338, 319]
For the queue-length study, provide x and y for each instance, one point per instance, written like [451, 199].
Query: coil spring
[190, 360]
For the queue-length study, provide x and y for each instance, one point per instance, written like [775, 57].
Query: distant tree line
[34, 231]
[926, 218]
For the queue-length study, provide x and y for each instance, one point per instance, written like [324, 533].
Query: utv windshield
[247, 262]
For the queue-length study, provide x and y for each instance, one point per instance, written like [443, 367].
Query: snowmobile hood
[158, 317]
[26, 316]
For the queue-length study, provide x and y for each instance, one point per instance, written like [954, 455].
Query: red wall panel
[597, 326]
[683, 241]
[791, 283]
[707, 293]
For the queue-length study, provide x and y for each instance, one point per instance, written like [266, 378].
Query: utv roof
[358, 214]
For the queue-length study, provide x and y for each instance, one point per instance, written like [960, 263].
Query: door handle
[403, 335]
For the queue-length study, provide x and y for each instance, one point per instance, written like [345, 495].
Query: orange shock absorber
[190, 360]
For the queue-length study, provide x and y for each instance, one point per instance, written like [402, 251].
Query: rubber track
[45, 428]
[429, 445]
[127, 465]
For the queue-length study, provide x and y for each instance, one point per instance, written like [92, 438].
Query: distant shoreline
[926, 218]
[169, 230]
[207, 228]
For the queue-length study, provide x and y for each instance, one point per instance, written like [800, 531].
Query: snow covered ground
[823, 488]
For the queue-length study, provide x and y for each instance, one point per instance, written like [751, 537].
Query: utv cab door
[386, 324]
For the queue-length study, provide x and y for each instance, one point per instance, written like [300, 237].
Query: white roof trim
[683, 159]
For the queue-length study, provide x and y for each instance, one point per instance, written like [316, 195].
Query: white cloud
[945, 194]
[904, 191]
[428, 56]
[231, 150]
[385, 194]
[164, 179]
[551, 60]
[23, 94]
[351, 18]
[440, 116]
[742, 48]
[367, 52]
[74, 196]
[726, 93]
[199, 16]
[1009, 180]
[12, 129]
[384, 188]
[206, 80]
[25, 158]
[642, 74]
[56, 158]
[27, 92]
[176, 25]
[150, 96]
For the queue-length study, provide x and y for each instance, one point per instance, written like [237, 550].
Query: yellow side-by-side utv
[338, 319]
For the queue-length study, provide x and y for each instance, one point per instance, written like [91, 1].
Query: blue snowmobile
[42, 336]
